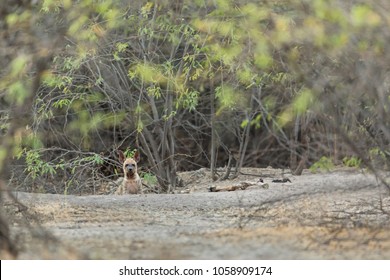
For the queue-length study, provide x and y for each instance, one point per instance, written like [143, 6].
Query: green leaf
[244, 123]
[18, 65]
[363, 15]
[303, 101]
[18, 92]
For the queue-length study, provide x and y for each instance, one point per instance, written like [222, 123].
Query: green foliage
[379, 158]
[36, 166]
[256, 121]
[299, 106]
[229, 98]
[3, 155]
[323, 164]
[130, 153]
[149, 178]
[377, 152]
[352, 161]
[148, 71]
[362, 15]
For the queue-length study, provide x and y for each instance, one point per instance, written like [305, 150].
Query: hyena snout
[130, 167]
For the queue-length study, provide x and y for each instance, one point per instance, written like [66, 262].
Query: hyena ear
[121, 156]
[137, 156]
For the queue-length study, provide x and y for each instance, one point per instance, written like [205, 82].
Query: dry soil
[344, 214]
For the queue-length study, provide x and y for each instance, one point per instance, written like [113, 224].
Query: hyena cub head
[129, 164]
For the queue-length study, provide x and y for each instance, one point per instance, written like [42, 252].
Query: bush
[193, 84]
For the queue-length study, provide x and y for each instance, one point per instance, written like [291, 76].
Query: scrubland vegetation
[190, 84]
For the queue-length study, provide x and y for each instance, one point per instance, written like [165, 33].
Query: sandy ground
[343, 214]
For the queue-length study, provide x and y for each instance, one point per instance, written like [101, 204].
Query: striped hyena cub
[131, 183]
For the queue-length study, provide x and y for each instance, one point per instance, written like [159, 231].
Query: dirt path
[338, 215]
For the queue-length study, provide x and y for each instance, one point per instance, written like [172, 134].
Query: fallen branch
[239, 186]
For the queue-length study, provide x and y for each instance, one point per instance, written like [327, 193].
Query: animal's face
[129, 164]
